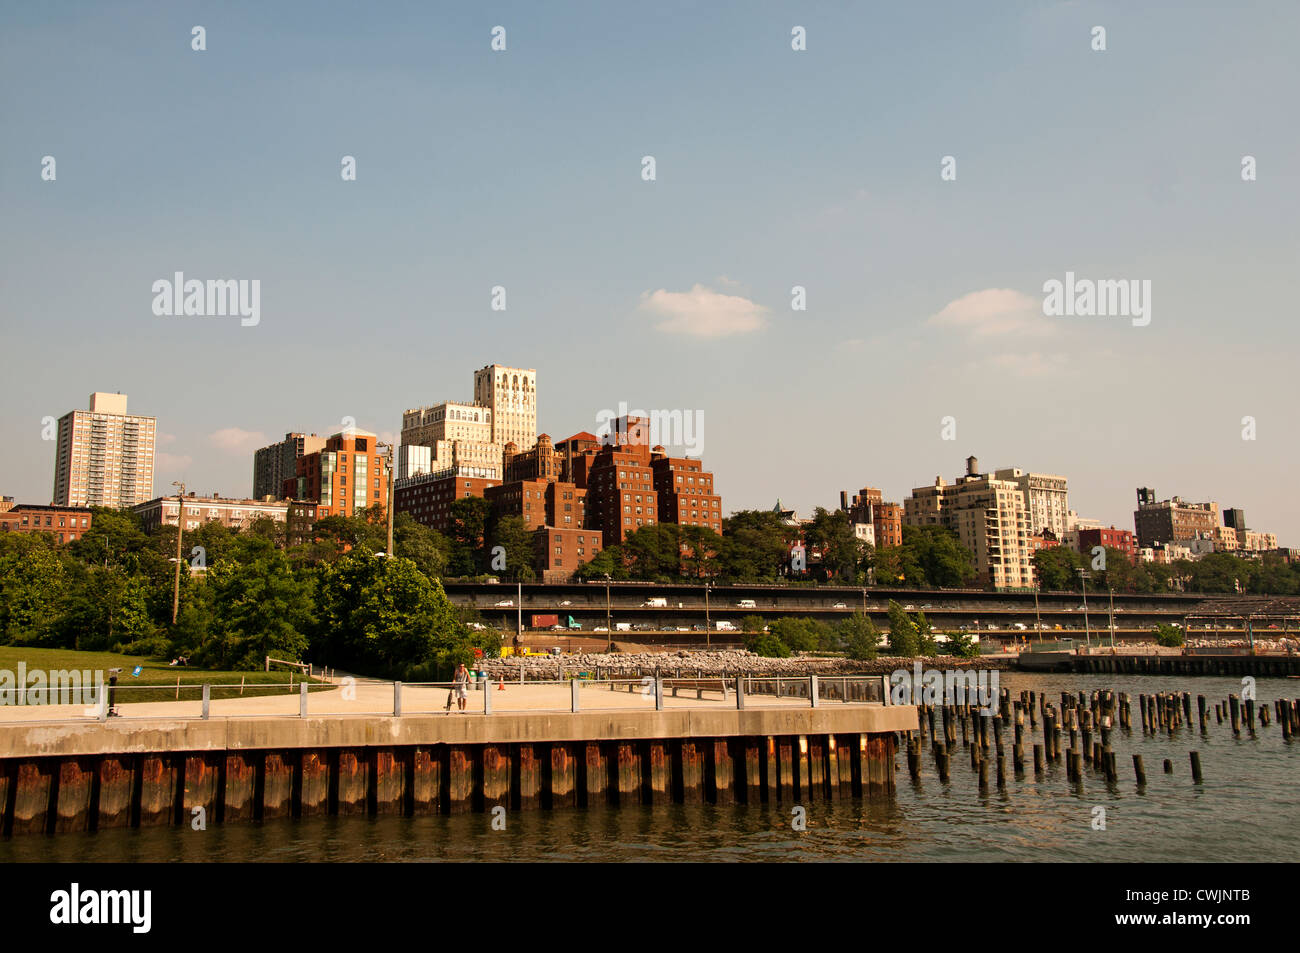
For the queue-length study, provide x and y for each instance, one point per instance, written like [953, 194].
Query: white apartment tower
[1047, 499]
[990, 518]
[511, 394]
[105, 456]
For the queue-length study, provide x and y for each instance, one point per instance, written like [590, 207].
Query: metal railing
[350, 697]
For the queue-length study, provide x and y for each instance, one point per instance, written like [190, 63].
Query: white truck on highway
[655, 602]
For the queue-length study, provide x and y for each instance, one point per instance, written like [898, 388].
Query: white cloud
[703, 312]
[235, 440]
[1031, 365]
[171, 462]
[993, 311]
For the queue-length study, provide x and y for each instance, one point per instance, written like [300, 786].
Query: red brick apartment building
[685, 492]
[344, 479]
[1114, 538]
[559, 552]
[64, 523]
[621, 497]
[428, 497]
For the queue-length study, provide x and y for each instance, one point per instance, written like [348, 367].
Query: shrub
[767, 645]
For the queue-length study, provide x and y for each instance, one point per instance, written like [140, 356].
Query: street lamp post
[707, 623]
[180, 531]
[1038, 619]
[1087, 629]
[609, 625]
[1112, 616]
[389, 507]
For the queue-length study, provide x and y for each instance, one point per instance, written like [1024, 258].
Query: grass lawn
[155, 672]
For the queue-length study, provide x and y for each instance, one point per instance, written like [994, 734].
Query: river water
[1246, 809]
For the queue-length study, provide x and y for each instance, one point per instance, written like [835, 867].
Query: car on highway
[600, 628]
[747, 604]
[506, 604]
[566, 602]
[683, 628]
[839, 605]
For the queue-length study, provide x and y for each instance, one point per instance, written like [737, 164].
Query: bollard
[1169, 766]
[207, 699]
[1196, 767]
[812, 690]
[740, 693]
[942, 758]
[1139, 770]
[487, 698]
[397, 699]
[1038, 761]
[302, 700]
[1002, 770]
[573, 687]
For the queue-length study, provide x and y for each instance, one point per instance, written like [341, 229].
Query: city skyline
[820, 169]
[1017, 474]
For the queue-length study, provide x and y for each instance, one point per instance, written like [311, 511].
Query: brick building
[233, 513]
[542, 462]
[345, 478]
[278, 462]
[869, 508]
[428, 497]
[523, 498]
[64, 523]
[1172, 520]
[684, 491]
[621, 497]
[558, 552]
[1113, 538]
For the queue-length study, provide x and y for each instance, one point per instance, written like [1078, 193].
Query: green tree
[832, 534]
[423, 545]
[755, 547]
[752, 623]
[859, 636]
[31, 577]
[513, 536]
[767, 645]
[1168, 636]
[801, 634]
[469, 520]
[1055, 567]
[654, 552]
[261, 606]
[961, 645]
[903, 638]
[926, 644]
[384, 617]
[935, 556]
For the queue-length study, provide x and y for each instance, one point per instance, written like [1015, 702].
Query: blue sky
[775, 168]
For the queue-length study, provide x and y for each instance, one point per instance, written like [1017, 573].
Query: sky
[774, 168]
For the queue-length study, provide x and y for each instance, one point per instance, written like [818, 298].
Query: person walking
[461, 683]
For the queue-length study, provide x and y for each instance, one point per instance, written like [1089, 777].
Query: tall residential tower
[105, 456]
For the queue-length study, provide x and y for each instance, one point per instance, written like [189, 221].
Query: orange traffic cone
[501, 683]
